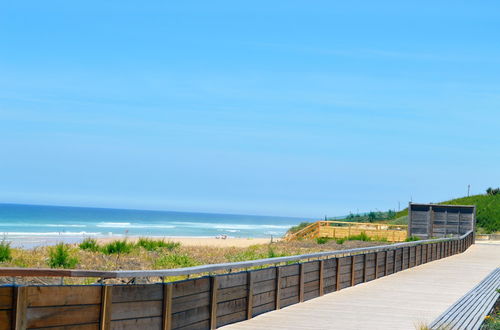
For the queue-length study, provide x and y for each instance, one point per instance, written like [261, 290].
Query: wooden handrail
[43, 272]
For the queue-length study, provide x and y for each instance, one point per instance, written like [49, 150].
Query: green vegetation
[487, 210]
[300, 226]
[371, 216]
[89, 244]
[60, 257]
[361, 237]
[492, 321]
[174, 261]
[118, 247]
[5, 251]
[152, 245]
[412, 239]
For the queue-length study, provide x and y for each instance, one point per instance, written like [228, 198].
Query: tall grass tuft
[361, 237]
[412, 239]
[152, 245]
[5, 251]
[117, 247]
[89, 244]
[60, 257]
[174, 261]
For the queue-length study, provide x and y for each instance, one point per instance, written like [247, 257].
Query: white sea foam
[130, 225]
[229, 225]
[49, 234]
[61, 225]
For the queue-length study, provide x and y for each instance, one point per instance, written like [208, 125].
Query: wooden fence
[434, 220]
[211, 301]
[344, 229]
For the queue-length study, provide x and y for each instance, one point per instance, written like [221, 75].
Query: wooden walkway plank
[384, 303]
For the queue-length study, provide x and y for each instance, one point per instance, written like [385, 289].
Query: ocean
[32, 225]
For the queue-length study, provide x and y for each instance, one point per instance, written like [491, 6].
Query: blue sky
[266, 107]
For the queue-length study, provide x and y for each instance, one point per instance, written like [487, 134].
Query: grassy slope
[487, 207]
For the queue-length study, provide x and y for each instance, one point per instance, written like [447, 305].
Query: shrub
[117, 247]
[151, 245]
[271, 253]
[174, 261]
[360, 237]
[412, 239]
[89, 244]
[322, 240]
[340, 240]
[300, 226]
[60, 257]
[5, 251]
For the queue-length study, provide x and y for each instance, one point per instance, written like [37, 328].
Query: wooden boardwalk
[403, 300]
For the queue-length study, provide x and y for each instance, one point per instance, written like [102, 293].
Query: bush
[271, 253]
[89, 244]
[174, 261]
[152, 245]
[59, 257]
[490, 191]
[340, 240]
[412, 239]
[360, 237]
[5, 251]
[117, 247]
[300, 226]
[322, 240]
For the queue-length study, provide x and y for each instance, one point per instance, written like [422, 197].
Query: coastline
[198, 241]
[30, 242]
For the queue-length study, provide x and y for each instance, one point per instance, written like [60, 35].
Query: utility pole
[399, 206]
[468, 190]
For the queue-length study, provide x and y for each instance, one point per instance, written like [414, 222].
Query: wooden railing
[211, 301]
[343, 229]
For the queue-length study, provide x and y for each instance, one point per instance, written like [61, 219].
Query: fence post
[386, 262]
[352, 270]
[278, 287]
[167, 306]
[337, 275]
[21, 308]
[106, 303]
[376, 265]
[250, 295]
[321, 276]
[213, 302]
[301, 283]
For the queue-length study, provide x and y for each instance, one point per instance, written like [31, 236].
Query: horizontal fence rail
[48, 272]
[207, 302]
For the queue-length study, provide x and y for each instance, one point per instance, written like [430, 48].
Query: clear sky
[300, 108]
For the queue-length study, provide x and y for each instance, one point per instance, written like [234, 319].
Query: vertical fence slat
[278, 288]
[352, 269]
[394, 261]
[106, 301]
[20, 321]
[301, 283]
[213, 302]
[386, 262]
[337, 275]
[321, 277]
[250, 295]
[167, 306]
[364, 267]
[376, 265]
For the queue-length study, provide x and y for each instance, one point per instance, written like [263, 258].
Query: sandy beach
[201, 241]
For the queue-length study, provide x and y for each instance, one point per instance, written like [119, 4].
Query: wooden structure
[344, 229]
[211, 301]
[433, 220]
[469, 311]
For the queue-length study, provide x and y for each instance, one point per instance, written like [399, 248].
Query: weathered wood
[321, 277]
[21, 320]
[58, 316]
[6, 297]
[133, 324]
[136, 309]
[301, 283]
[106, 303]
[167, 306]
[191, 316]
[278, 288]
[213, 303]
[180, 304]
[40, 296]
[250, 295]
[138, 292]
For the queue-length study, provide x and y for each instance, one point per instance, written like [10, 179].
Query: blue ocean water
[34, 224]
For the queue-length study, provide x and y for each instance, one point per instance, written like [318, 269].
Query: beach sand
[202, 241]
